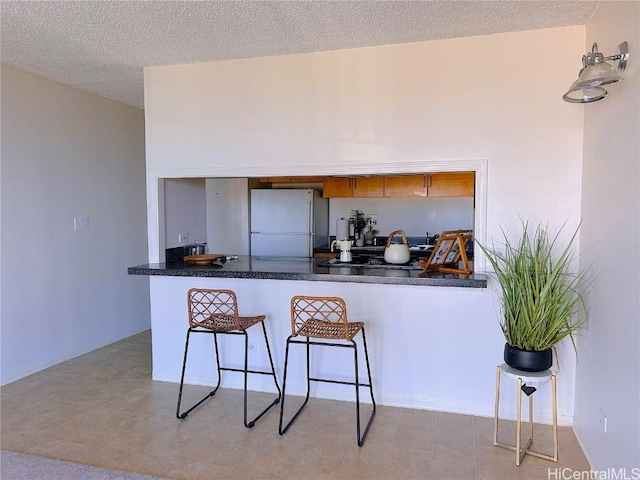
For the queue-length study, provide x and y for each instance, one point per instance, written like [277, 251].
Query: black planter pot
[529, 361]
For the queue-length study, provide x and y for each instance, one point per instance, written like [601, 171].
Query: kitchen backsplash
[415, 216]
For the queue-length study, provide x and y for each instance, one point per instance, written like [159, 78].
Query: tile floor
[103, 409]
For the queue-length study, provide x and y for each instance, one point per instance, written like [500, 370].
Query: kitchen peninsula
[292, 268]
[412, 317]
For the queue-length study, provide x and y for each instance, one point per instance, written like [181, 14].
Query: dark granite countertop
[286, 268]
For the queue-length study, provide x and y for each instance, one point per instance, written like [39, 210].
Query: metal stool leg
[251, 423]
[183, 415]
[273, 368]
[373, 401]
[282, 430]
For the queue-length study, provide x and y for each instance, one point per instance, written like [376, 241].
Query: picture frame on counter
[449, 252]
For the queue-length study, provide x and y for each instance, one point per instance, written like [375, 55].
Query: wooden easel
[450, 249]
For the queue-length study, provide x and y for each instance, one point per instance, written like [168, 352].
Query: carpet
[20, 466]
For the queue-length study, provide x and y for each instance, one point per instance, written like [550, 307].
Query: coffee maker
[345, 249]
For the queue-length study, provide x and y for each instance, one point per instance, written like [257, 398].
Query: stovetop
[370, 261]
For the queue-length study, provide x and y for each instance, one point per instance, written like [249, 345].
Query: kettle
[397, 252]
[345, 249]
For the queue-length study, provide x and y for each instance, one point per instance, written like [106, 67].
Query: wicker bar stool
[326, 318]
[216, 311]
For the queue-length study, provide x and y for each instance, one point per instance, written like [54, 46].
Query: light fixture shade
[596, 74]
[577, 94]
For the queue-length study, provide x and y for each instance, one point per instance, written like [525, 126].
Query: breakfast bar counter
[419, 334]
[291, 268]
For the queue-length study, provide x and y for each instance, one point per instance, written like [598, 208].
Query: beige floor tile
[218, 472]
[415, 461]
[316, 469]
[414, 439]
[496, 463]
[567, 440]
[574, 459]
[446, 465]
[130, 462]
[414, 418]
[498, 472]
[358, 469]
[274, 465]
[322, 459]
[387, 416]
[399, 473]
[183, 469]
[63, 450]
[380, 434]
[107, 413]
[16, 441]
[537, 472]
[369, 453]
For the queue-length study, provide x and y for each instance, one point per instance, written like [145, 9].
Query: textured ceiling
[101, 47]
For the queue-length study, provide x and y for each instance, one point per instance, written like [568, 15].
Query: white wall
[185, 210]
[370, 110]
[66, 153]
[411, 107]
[608, 370]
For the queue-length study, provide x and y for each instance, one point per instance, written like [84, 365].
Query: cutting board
[205, 259]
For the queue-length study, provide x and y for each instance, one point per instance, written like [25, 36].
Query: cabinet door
[368, 186]
[336, 187]
[305, 179]
[275, 179]
[457, 184]
[405, 186]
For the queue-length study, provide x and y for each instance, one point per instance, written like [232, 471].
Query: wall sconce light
[596, 72]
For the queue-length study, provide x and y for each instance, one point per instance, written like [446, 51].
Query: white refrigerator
[288, 222]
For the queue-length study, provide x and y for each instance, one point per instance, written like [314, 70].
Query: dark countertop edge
[317, 277]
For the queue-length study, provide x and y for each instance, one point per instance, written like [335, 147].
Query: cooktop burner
[364, 261]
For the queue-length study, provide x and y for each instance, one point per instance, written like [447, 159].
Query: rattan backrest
[325, 309]
[207, 307]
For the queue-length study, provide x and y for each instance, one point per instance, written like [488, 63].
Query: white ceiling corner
[101, 47]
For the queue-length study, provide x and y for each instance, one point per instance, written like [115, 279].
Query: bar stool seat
[325, 318]
[331, 330]
[527, 383]
[216, 312]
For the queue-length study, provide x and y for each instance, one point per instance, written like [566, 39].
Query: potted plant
[359, 222]
[542, 299]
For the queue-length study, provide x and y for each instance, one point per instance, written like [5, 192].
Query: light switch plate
[80, 223]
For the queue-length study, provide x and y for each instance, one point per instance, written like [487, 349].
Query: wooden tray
[206, 259]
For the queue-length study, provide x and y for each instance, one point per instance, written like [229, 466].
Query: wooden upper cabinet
[405, 186]
[274, 179]
[455, 184]
[336, 187]
[362, 187]
[369, 187]
[306, 179]
[291, 179]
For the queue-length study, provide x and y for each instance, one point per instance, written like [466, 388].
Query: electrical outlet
[372, 218]
[183, 237]
[80, 223]
[603, 421]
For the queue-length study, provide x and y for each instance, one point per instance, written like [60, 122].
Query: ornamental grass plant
[542, 299]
